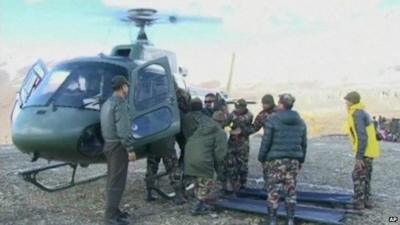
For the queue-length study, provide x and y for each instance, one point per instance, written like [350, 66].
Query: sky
[329, 41]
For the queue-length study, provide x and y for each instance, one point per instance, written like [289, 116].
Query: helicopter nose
[51, 134]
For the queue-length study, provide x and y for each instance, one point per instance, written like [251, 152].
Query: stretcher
[302, 196]
[303, 212]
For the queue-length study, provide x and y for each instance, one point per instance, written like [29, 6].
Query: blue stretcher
[302, 196]
[303, 212]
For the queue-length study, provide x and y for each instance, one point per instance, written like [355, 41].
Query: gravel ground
[328, 168]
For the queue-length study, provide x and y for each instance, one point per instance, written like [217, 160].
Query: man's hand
[132, 156]
[359, 164]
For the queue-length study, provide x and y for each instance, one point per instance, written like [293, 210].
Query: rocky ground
[328, 168]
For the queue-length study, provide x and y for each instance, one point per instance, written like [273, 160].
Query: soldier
[268, 110]
[205, 152]
[183, 98]
[365, 147]
[164, 150]
[282, 152]
[115, 128]
[209, 104]
[236, 168]
[268, 105]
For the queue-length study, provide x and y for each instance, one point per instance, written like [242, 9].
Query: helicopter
[56, 114]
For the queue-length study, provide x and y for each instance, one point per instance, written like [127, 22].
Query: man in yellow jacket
[365, 147]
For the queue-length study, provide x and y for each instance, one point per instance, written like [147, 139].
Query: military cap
[219, 116]
[287, 99]
[268, 99]
[118, 82]
[196, 104]
[353, 97]
[241, 103]
[195, 100]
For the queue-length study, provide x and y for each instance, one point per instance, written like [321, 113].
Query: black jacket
[285, 136]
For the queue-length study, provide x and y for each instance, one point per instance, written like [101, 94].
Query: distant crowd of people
[388, 129]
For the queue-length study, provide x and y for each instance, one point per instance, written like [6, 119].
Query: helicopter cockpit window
[47, 88]
[152, 87]
[81, 84]
[88, 86]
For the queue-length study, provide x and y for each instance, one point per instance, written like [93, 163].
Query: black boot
[201, 208]
[272, 215]
[150, 197]
[125, 217]
[179, 198]
[119, 219]
[290, 209]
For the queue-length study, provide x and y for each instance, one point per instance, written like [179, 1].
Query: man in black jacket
[282, 152]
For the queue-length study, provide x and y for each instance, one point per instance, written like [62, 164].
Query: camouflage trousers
[362, 181]
[204, 189]
[281, 177]
[170, 162]
[236, 164]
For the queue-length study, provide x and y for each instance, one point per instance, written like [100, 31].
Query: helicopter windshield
[78, 84]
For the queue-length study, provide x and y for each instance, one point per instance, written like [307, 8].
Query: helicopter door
[29, 84]
[153, 101]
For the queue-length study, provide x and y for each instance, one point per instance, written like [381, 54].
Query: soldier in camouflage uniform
[268, 105]
[205, 152]
[268, 110]
[237, 157]
[164, 150]
[282, 152]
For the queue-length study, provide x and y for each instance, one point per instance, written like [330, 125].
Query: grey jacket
[115, 121]
[285, 136]
[362, 120]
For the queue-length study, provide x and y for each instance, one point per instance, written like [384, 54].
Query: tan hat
[219, 116]
[241, 103]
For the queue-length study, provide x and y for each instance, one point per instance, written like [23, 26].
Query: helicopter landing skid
[30, 176]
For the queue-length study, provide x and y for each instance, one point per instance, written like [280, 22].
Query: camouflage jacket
[242, 121]
[261, 120]
[115, 121]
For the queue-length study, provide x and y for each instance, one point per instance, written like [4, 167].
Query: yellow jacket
[372, 149]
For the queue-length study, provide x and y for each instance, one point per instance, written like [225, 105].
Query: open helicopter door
[29, 84]
[153, 101]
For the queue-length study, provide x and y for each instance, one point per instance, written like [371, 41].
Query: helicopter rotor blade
[192, 19]
[151, 16]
